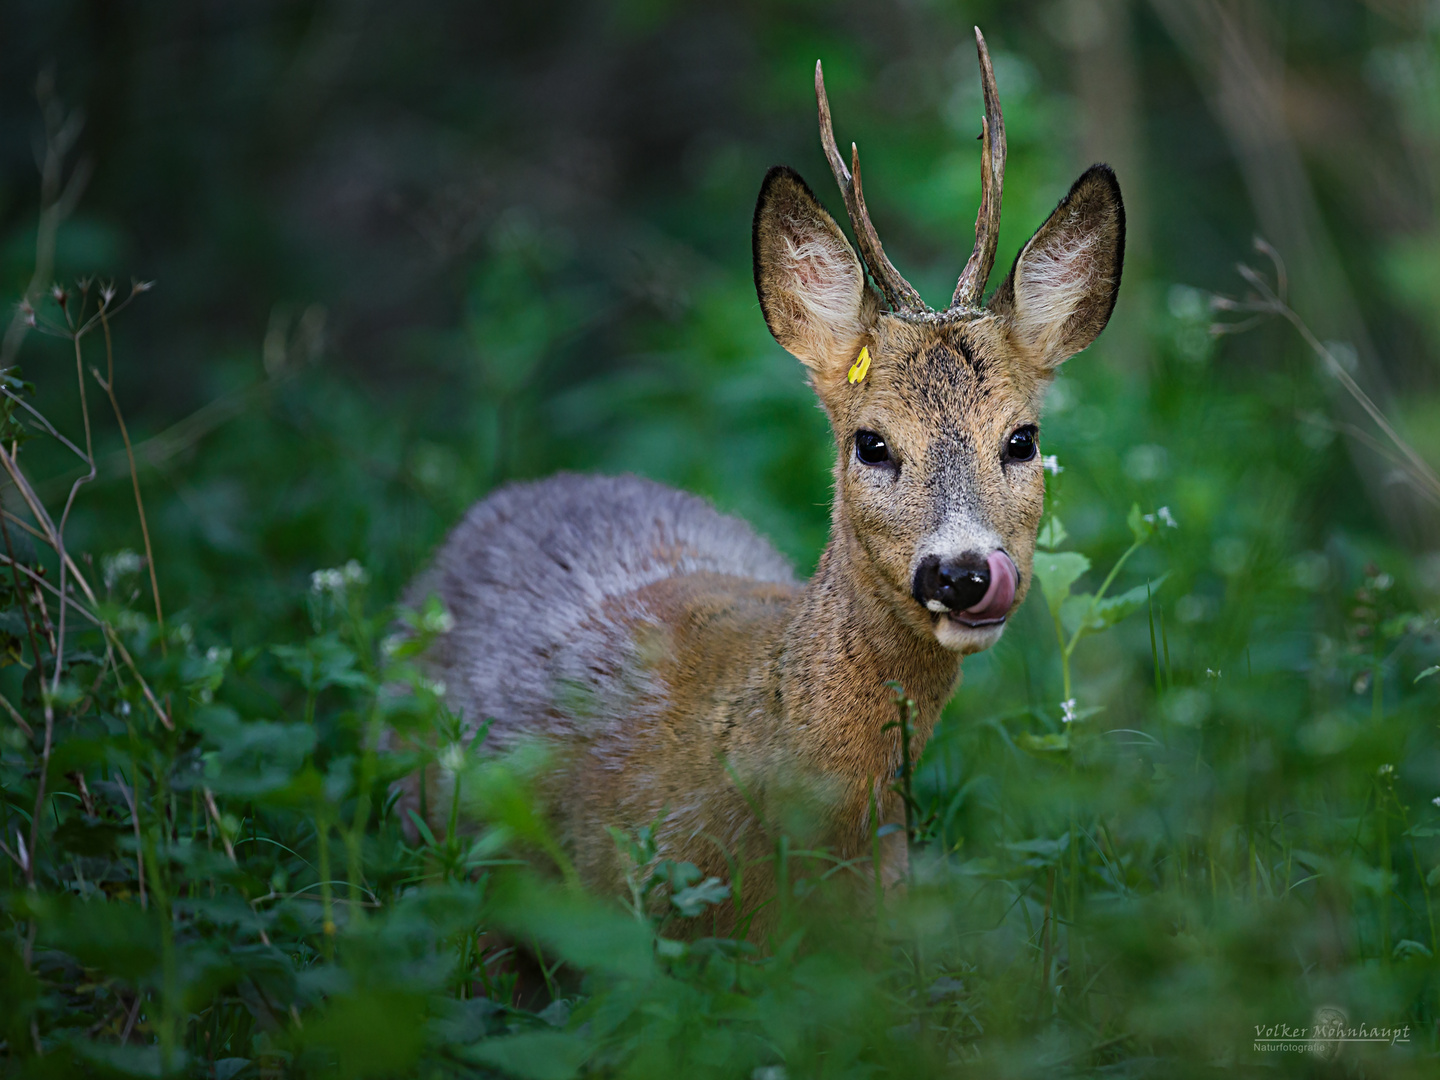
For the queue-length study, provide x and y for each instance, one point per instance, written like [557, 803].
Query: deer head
[939, 482]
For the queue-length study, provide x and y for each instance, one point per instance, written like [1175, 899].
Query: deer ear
[1062, 288]
[811, 286]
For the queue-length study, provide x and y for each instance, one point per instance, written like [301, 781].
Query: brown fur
[720, 704]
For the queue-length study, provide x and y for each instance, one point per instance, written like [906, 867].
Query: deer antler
[992, 181]
[899, 293]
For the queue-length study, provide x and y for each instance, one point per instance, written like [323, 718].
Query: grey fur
[527, 575]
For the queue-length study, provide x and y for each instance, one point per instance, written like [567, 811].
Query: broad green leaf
[1045, 744]
[692, 901]
[533, 1055]
[1056, 572]
[378, 1032]
[1409, 949]
[1052, 534]
[119, 939]
[1108, 611]
[680, 875]
[588, 932]
[253, 758]
[1040, 852]
[321, 662]
[128, 1060]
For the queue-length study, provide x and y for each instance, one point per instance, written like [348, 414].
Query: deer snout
[975, 589]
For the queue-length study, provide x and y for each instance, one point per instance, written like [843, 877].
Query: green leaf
[1052, 534]
[1040, 852]
[533, 1055]
[1428, 672]
[119, 939]
[89, 836]
[692, 901]
[1107, 612]
[1056, 572]
[1433, 878]
[253, 758]
[1045, 744]
[588, 932]
[1407, 949]
[379, 1032]
[1141, 528]
[128, 1060]
[321, 662]
[680, 875]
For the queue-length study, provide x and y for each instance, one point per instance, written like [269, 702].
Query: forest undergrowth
[1189, 807]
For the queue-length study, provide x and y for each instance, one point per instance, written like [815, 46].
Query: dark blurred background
[404, 252]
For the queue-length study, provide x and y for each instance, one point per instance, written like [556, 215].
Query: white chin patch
[955, 635]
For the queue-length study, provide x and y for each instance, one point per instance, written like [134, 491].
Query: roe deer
[665, 653]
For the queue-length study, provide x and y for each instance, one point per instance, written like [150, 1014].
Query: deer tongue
[995, 604]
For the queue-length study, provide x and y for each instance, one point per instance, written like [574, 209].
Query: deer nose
[977, 589]
[952, 584]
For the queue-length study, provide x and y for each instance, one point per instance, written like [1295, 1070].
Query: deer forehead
[943, 384]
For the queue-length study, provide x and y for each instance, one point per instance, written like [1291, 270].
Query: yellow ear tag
[861, 367]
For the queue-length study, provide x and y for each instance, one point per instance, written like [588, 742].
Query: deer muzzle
[972, 589]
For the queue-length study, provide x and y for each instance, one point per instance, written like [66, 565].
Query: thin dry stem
[133, 803]
[70, 503]
[1274, 301]
[15, 715]
[6, 849]
[108, 383]
[24, 611]
[58, 199]
[215, 813]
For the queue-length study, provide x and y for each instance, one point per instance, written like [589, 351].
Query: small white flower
[1162, 517]
[118, 566]
[327, 581]
[435, 686]
[390, 645]
[438, 622]
[1067, 711]
[1212, 673]
[1385, 772]
[1051, 464]
[452, 758]
[1436, 800]
[336, 579]
[1383, 581]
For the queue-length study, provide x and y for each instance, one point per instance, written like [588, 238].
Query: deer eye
[1021, 444]
[870, 448]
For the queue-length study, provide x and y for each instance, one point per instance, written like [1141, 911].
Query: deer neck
[844, 642]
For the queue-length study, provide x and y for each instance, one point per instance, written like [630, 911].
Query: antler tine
[992, 182]
[898, 292]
